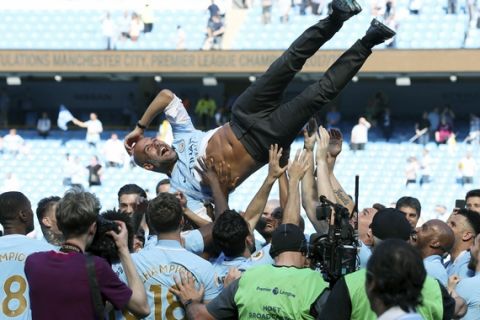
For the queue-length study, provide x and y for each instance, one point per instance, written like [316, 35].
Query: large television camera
[334, 253]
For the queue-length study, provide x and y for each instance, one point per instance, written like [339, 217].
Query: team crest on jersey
[258, 255]
[181, 146]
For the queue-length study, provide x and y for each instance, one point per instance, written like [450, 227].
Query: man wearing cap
[285, 290]
[348, 298]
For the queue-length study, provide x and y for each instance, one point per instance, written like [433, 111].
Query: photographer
[63, 284]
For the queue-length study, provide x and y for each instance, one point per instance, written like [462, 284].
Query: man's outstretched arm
[297, 170]
[256, 206]
[158, 105]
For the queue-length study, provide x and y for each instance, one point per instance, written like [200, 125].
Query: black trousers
[259, 119]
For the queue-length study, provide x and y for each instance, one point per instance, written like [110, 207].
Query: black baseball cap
[287, 237]
[391, 223]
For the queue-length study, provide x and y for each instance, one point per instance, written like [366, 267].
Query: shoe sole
[385, 30]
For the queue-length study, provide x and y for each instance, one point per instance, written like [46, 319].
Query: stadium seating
[40, 172]
[81, 29]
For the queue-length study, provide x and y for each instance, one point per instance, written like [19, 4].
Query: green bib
[431, 309]
[269, 292]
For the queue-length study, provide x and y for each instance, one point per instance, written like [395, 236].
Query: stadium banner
[218, 62]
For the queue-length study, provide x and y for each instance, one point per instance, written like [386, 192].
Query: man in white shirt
[359, 135]
[12, 142]
[94, 128]
[468, 167]
[114, 151]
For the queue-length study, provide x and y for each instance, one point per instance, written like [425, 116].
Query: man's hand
[274, 169]
[207, 171]
[334, 147]
[181, 197]
[232, 275]
[121, 238]
[224, 174]
[185, 289]
[309, 135]
[132, 138]
[323, 141]
[299, 166]
[452, 282]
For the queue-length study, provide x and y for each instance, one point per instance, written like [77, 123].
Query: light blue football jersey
[14, 297]
[189, 143]
[192, 241]
[262, 256]
[157, 266]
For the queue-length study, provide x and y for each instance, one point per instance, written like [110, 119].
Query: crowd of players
[160, 258]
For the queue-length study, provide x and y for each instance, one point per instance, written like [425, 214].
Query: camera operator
[348, 298]
[272, 291]
[60, 280]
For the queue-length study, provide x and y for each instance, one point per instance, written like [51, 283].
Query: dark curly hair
[229, 233]
[395, 275]
[164, 213]
[103, 245]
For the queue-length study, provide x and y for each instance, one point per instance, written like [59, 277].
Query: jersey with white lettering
[158, 265]
[14, 297]
[189, 143]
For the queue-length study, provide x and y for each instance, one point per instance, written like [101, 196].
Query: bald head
[434, 237]
[154, 155]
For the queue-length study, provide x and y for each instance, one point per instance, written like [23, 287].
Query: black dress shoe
[342, 10]
[378, 32]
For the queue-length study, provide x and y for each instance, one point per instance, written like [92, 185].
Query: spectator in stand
[215, 31]
[163, 186]
[44, 125]
[165, 132]
[411, 171]
[205, 110]
[4, 106]
[359, 136]
[79, 174]
[285, 7]
[425, 165]
[180, 40]
[124, 25]
[46, 215]
[10, 183]
[472, 200]
[213, 10]
[415, 6]
[452, 6]
[386, 124]
[12, 142]
[147, 18]
[422, 129]
[70, 269]
[448, 114]
[109, 32]
[333, 117]
[468, 168]
[136, 26]
[434, 118]
[444, 131]
[94, 172]
[16, 216]
[114, 152]
[266, 11]
[474, 134]
[94, 128]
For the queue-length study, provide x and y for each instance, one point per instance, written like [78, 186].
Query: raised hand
[299, 166]
[335, 145]
[274, 155]
[323, 141]
[181, 197]
[132, 138]
[309, 134]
